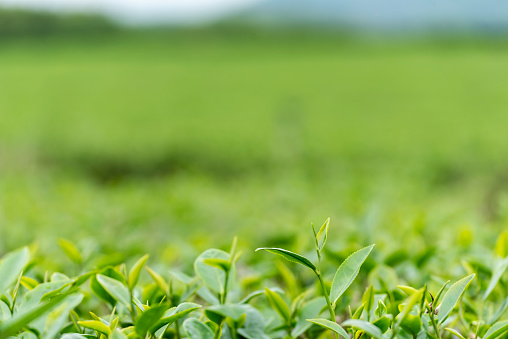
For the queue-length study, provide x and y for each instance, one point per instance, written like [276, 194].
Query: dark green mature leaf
[149, 318]
[291, 256]
[278, 304]
[496, 330]
[197, 330]
[11, 266]
[452, 296]
[367, 327]
[331, 326]
[347, 272]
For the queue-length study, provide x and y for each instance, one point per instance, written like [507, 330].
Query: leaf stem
[327, 298]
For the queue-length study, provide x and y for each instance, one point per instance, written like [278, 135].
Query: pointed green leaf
[347, 272]
[116, 289]
[367, 327]
[135, 271]
[322, 235]
[328, 324]
[197, 330]
[413, 300]
[498, 272]
[213, 277]
[291, 256]
[11, 266]
[452, 296]
[455, 333]
[70, 250]
[278, 304]
[175, 314]
[496, 330]
[159, 280]
[96, 325]
[149, 318]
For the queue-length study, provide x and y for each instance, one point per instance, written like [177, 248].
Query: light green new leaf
[291, 256]
[95, 325]
[135, 271]
[11, 266]
[331, 326]
[159, 280]
[452, 296]
[20, 320]
[149, 318]
[367, 327]
[175, 314]
[413, 300]
[50, 325]
[455, 333]
[501, 248]
[212, 276]
[223, 264]
[117, 335]
[310, 310]
[499, 312]
[116, 289]
[197, 330]
[233, 311]
[70, 250]
[498, 272]
[496, 330]
[322, 235]
[368, 298]
[278, 304]
[347, 272]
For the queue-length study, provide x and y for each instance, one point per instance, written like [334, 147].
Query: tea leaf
[331, 326]
[135, 271]
[452, 296]
[278, 304]
[347, 272]
[294, 257]
[149, 318]
[11, 267]
[116, 289]
[197, 330]
[368, 328]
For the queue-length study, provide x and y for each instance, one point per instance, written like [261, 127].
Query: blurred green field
[141, 140]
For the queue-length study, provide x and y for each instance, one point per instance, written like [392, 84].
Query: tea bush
[367, 296]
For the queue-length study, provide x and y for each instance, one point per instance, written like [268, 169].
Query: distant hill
[485, 15]
[19, 22]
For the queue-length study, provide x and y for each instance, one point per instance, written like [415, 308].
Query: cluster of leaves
[110, 301]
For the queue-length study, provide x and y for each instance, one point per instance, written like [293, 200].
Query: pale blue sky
[142, 10]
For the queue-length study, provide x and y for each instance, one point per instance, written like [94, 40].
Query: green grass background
[158, 142]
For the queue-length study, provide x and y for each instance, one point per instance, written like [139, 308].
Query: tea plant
[219, 300]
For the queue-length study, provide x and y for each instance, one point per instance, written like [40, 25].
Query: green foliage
[58, 308]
